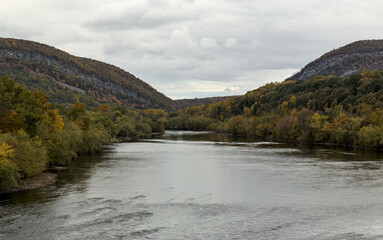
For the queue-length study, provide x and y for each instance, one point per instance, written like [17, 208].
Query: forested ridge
[66, 78]
[35, 134]
[31, 63]
[337, 110]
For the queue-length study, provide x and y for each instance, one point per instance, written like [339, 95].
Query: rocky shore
[41, 180]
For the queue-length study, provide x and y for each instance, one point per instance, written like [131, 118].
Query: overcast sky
[196, 48]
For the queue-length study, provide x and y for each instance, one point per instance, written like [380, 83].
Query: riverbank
[42, 180]
[49, 177]
[307, 143]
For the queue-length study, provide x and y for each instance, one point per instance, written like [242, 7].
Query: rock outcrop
[355, 57]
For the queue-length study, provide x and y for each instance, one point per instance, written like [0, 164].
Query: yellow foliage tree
[8, 170]
[53, 120]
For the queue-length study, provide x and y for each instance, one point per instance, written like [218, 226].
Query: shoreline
[41, 180]
[344, 146]
[49, 176]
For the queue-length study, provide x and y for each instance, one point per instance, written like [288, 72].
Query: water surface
[189, 185]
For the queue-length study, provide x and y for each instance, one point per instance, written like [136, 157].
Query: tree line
[35, 134]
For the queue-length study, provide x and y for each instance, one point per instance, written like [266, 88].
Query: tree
[30, 155]
[8, 170]
[317, 123]
[53, 120]
[370, 136]
[237, 125]
[77, 113]
[284, 108]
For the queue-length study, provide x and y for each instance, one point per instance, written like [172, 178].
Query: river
[200, 185]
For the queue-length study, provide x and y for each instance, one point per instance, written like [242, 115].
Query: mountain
[354, 57]
[66, 78]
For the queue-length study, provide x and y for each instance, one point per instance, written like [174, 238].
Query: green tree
[30, 155]
[237, 126]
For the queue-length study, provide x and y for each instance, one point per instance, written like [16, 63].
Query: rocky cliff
[355, 57]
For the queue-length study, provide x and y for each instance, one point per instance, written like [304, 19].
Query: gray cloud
[196, 48]
[138, 14]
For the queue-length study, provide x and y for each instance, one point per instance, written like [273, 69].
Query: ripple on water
[100, 218]
[144, 232]
[138, 197]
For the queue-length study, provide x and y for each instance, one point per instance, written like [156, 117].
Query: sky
[196, 48]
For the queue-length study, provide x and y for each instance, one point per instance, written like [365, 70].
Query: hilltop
[66, 77]
[355, 57]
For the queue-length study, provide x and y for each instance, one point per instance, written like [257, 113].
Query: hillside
[185, 103]
[66, 77]
[326, 109]
[354, 57]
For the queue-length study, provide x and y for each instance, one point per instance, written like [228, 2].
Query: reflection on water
[201, 185]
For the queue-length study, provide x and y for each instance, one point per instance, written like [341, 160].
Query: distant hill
[66, 77]
[354, 57]
[185, 103]
[346, 111]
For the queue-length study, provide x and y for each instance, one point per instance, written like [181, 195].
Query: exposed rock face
[28, 56]
[354, 57]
